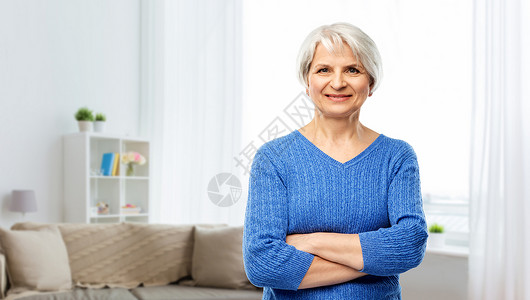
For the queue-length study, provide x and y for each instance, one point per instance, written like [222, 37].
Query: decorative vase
[130, 169]
[436, 240]
[84, 125]
[99, 126]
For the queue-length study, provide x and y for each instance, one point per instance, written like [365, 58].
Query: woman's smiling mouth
[338, 98]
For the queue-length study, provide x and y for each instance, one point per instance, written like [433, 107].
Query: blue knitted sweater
[294, 187]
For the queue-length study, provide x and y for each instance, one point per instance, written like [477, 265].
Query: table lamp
[23, 201]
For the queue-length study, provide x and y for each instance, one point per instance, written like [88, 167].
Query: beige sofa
[123, 261]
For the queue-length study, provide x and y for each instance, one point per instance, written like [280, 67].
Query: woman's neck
[336, 130]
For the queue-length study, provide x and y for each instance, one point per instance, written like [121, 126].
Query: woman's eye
[353, 70]
[322, 70]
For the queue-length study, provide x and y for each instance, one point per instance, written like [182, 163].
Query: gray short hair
[362, 45]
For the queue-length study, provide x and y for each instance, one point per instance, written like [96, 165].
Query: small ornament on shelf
[103, 208]
[131, 159]
[130, 209]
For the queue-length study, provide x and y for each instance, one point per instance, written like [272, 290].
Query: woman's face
[338, 84]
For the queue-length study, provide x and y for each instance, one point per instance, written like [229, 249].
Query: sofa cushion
[184, 292]
[36, 259]
[126, 254]
[218, 258]
[167, 252]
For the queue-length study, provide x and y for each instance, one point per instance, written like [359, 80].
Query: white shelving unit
[83, 188]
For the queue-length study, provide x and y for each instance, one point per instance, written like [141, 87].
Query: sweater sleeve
[269, 261]
[400, 247]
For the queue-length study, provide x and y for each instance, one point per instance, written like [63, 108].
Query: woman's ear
[307, 91]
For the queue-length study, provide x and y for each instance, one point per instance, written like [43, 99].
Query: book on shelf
[107, 163]
[116, 164]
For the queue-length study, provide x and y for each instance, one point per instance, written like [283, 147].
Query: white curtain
[190, 105]
[499, 262]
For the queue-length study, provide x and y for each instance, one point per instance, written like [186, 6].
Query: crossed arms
[338, 257]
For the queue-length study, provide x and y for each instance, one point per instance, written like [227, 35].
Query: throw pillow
[36, 259]
[218, 258]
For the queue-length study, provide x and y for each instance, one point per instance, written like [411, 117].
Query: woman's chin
[336, 113]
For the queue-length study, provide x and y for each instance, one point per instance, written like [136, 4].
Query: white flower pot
[436, 240]
[85, 125]
[99, 126]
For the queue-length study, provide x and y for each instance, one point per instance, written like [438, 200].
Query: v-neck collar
[330, 159]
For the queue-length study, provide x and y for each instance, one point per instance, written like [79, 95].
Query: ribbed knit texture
[297, 188]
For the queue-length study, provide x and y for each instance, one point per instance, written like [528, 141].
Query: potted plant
[84, 119]
[436, 235]
[99, 124]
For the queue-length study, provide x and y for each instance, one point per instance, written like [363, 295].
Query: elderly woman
[334, 208]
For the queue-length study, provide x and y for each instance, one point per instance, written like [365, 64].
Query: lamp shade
[23, 201]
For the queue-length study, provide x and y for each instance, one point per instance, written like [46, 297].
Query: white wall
[57, 56]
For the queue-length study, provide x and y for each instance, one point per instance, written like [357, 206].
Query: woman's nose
[337, 82]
